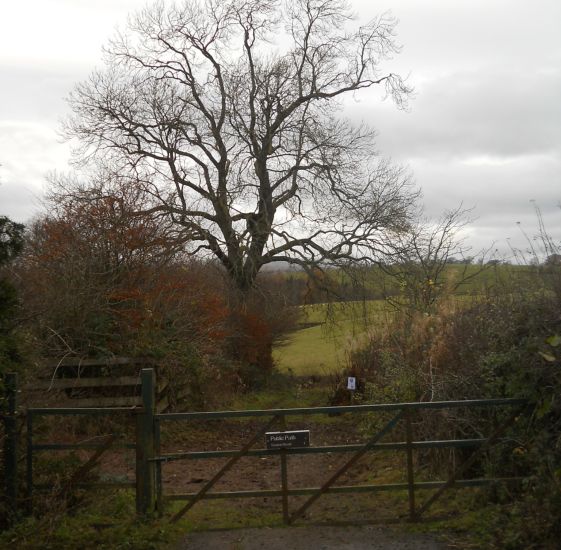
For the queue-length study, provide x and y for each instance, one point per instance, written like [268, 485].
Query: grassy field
[329, 332]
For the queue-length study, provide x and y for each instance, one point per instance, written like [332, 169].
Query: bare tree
[226, 113]
[423, 259]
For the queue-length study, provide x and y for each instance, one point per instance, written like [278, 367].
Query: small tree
[422, 268]
[95, 276]
[225, 113]
[553, 259]
[11, 239]
[11, 244]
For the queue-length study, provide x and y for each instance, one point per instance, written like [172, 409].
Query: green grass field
[321, 349]
[328, 331]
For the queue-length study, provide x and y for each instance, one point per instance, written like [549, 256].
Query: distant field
[321, 349]
[375, 280]
[321, 346]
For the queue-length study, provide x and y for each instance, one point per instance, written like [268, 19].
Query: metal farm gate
[76, 441]
[152, 455]
[400, 416]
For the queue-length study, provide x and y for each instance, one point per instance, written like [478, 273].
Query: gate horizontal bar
[72, 446]
[46, 487]
[398, 446]
[469, 403]
[424, 485]
[79, 410]
[106, 484]
[115, 401]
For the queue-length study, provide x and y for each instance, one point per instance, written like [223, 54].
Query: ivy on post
[145, 470]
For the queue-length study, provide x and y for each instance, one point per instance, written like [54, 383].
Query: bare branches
[423, 258]
[236, 136]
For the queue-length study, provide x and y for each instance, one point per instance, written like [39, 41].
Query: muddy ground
[231, 524]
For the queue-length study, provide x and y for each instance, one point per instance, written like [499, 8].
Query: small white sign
[351, 383]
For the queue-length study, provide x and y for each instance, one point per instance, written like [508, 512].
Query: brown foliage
[97, 279]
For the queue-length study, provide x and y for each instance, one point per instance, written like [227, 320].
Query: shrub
[506, 343]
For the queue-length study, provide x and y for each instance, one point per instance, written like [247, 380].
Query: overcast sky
[484, 127]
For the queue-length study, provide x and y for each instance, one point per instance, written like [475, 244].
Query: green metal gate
[400, 415]
[30, 422]
[149, 458]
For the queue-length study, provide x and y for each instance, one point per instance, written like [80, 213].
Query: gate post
[284, 477]
[11, 446]
[145, 470]
[410, 472]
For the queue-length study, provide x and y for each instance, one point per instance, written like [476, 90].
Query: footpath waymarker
[287, 440]
[351, 386]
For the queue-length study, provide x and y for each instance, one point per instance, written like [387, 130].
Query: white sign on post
[351, 383]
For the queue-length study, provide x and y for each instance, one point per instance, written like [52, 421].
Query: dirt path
[252, 473]
[310, 538]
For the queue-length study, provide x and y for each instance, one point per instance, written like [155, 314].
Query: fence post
[410, 472]
[284, 476]
[158, 467]
[145, 471]
[29, 462]
[11, 446]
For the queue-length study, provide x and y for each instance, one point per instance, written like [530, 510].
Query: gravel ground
[310, 538]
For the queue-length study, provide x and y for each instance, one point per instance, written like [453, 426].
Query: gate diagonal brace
[467, 463]
[88, 465]
[386, 429]
[243, 451]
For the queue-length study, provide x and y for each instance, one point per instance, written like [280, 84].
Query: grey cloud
[28, 152]
[441, 35]
[35, 93]
[466, 114]
[19, 202]
[500, 194]
[31, 103]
